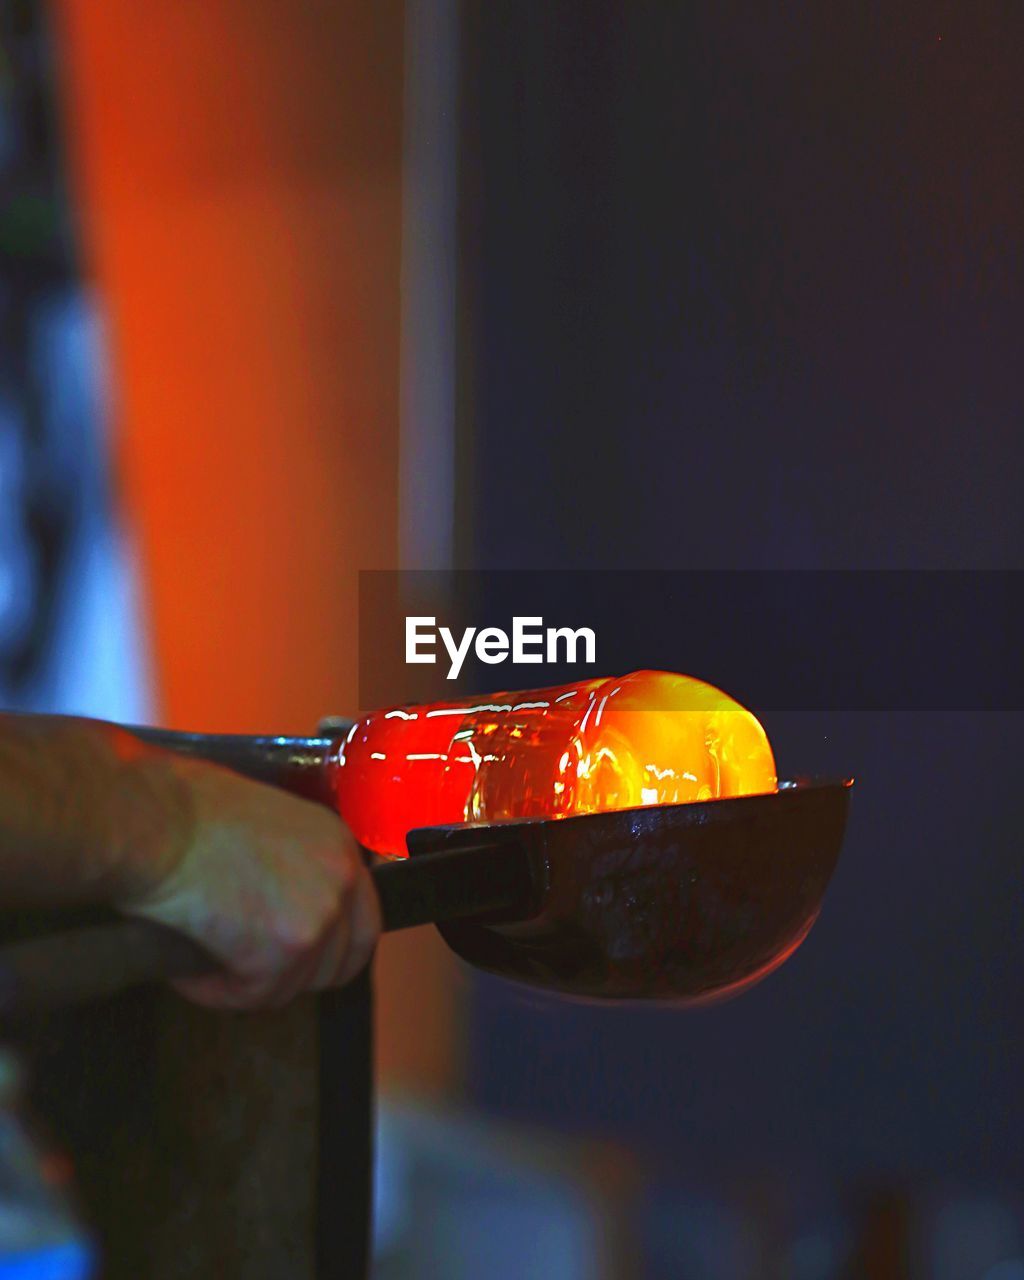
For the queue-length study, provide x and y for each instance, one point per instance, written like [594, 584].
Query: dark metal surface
[345, 1131]
[675, 902]
[299, 765]
[78, 965]
[486, 879]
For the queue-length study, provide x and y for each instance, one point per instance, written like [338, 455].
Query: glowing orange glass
[646, 738]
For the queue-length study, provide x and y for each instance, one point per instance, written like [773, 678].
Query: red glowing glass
[651, 737]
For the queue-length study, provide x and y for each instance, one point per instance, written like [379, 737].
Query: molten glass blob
[646, 738]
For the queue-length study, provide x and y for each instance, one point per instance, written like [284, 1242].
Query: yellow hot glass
[651, 737]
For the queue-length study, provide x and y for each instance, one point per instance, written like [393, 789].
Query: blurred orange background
[240, 168]
[239, 174]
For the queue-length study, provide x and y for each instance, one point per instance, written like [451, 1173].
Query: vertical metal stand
[344, 1198]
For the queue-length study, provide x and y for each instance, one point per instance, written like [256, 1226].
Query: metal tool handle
[302, 766]
[99, 961]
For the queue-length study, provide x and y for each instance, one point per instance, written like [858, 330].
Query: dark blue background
[744, 291]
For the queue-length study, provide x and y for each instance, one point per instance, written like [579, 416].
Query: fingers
[347, 944]
[273, 886]
[340, 952]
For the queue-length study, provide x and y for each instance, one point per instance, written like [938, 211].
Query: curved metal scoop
[681, 902]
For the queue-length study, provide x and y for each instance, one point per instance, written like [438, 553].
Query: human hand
[274, 887]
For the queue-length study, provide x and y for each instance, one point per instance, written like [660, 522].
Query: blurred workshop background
[290, 290]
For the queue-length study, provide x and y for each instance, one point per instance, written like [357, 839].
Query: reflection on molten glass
[647, 738]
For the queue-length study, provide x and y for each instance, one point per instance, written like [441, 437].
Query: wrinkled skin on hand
[272, 886]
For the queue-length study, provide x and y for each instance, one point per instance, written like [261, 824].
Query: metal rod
[93, 963]
[300, 765]
[473, 881]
